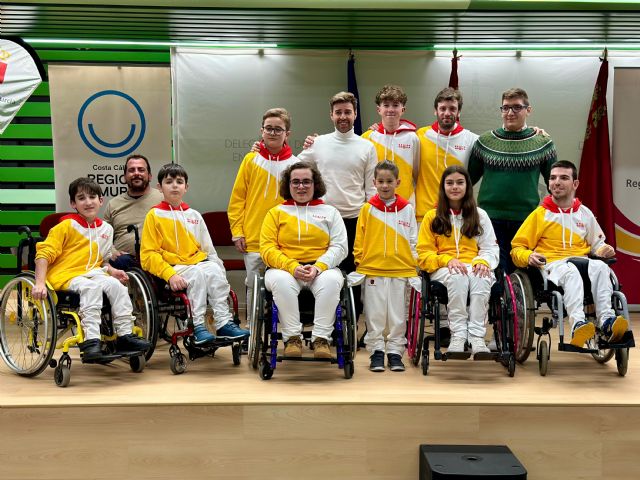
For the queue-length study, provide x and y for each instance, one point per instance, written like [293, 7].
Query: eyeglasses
[515, 108]
[274, 131]
[307, 182]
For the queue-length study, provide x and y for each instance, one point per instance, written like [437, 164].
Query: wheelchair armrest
[608, 261]
[24, 229]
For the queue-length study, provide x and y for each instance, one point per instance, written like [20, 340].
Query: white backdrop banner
[219, 98]
[102, 114]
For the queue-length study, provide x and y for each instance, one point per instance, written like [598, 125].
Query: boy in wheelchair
[176, 246]
[74, 256]
[562, 228]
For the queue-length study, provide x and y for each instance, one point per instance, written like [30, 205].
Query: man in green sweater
[510, 160]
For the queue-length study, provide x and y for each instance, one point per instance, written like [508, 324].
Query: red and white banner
[20, 74]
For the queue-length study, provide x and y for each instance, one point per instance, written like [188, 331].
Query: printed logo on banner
[119, 105]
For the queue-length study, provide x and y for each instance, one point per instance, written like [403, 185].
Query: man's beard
[137, 189]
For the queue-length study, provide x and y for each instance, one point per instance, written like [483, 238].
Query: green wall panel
[27, 131]
[35, 109]
[20, 174]
[26, 152]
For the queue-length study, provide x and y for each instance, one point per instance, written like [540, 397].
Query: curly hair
[319, 188]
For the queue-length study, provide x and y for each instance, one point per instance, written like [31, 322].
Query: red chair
[218, 225]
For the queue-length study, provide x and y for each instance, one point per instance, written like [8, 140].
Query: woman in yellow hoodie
[457, 247]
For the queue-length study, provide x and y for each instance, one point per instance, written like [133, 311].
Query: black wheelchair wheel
[62, 375]
[145, 307]
[178, 364]
[511, 365]
[525, 312]
[348, 369]
[622, 361]
[265, 370]
[236, 352]
[137, 363]
[425, 363]
[257, 322]
[543, 357]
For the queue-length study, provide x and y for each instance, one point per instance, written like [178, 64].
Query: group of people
[378, 206]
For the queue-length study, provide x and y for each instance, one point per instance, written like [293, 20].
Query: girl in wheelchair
[457, 247]
[302, 241]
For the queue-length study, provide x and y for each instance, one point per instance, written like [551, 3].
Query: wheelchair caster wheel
[236, 352]
[178, 364]
[348, 370]
[425, 363]
[266, 372]
[137, 363]
[622, 361]
[543, 358]
[62, 375]
[511, 365]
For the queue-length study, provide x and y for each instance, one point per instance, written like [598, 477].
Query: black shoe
[132, 343]
[377, 361]
[395, 362]
[91, 350]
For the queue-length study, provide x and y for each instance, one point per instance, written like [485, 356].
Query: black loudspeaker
[473, 462]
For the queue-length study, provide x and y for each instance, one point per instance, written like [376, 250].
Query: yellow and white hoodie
[385, 243]
[557, 233]
[435, 251]
[402, 148]
[174, 236]
[74, 248]
[295, 234]
[255, 191]
[437, 152]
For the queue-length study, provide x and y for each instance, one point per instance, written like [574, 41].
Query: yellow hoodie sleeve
[428, 257]
[269, 249]
[51, 247]
[527, 237]
[358, 243]
[238, 199]
[151, 250]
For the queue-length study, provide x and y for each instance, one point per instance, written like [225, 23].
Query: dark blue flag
[352, 87]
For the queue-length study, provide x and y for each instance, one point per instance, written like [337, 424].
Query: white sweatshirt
[346, 162]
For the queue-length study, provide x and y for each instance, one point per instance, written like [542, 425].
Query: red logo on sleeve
[3, 70]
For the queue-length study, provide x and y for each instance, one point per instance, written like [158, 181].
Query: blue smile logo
[126, 107]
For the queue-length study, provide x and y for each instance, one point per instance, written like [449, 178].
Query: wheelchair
[31, 330]
[263, 345]
[173, 320]
[425, 306]
[532, 289]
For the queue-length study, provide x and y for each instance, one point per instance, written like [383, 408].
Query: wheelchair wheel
[62, 375]
[348, 369]
[543, 357]
[178, 363]
[257, 322]
[525, 312]
[511, 366]
[622, 360]
[415, 328]
[350, 323]
[600, 355]
[425, 363]
[28, 330]
[266, 372]
[137, 363]
[236, 352]
[144, 308]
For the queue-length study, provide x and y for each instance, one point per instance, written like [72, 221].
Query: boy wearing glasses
[256, 191]
[510, 160]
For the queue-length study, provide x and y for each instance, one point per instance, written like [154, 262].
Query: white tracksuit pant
[326, 290]
[567, 276]
[207, 282]
[253, 264]
[385, 304]
[459, 288]
[90, 287]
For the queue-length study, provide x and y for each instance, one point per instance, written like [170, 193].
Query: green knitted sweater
[510, 164]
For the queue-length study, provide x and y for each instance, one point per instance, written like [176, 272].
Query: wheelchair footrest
[487, 356]
[456, 355]
[627, 341]
[104, 359]
[280, 358]
[567, 347]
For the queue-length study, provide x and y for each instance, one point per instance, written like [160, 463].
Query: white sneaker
[456, 345]
[478, 345]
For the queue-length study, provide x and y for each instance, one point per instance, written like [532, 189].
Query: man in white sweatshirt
[347, 163]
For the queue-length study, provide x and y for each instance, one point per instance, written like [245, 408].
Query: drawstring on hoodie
[306, 219]
[446, 150]
[87, 267]
[391, 143]
[175, 222]
[395, 243]
[564, 244]
[275, 158]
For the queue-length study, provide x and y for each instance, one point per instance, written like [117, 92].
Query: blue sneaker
[614, 328]
[231, 331]
[377, 361]
[202, 336]
[582, 331]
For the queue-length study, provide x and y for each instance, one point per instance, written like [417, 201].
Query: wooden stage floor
[581, 421]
